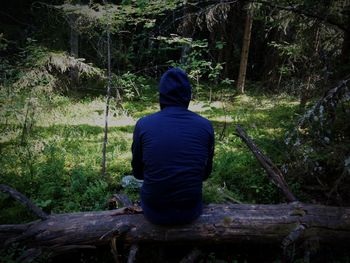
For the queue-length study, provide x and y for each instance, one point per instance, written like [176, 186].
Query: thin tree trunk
[186, 31]
[306, 91]
[74, 48]
[245, 52]
[345, 52]
[108, 96]
[74, 39]
[230, 39]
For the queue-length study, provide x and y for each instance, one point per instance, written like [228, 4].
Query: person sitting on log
[173, 153]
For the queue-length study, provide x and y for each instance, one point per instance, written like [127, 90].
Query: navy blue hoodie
[172, 152]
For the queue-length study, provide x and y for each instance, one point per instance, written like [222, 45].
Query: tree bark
[245, 53]
[235, 223]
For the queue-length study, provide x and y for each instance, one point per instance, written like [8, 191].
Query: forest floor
[54, 155]
[51, 151]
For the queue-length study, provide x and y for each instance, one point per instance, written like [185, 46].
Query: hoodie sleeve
[136, 163]
[209, 165]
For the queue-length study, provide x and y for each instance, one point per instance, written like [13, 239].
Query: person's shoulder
[202, 120]
[147, 119]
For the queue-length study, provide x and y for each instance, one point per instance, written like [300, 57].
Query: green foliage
[303, 50]
[235, 169]
[117, 17]
[132, 86]
[196, 65]
[196, 62]
[59, 166]
[42, 70]
[290, 52]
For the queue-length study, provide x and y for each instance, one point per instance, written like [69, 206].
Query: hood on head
[174, 89]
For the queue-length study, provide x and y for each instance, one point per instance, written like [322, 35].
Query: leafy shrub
[131, 86]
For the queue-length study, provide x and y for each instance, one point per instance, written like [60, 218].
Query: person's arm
[209, 165]
[136, 163]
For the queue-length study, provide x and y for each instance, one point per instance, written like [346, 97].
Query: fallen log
[235, 223]
[280, 224]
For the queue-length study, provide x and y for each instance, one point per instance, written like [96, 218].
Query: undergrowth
[51, 137]
[56, 160]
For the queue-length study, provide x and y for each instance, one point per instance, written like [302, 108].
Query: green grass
[59, 163]
[266, 120]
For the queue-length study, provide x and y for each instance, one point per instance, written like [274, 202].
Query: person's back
[172, 153]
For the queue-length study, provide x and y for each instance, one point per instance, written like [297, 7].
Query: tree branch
[304, 12]
[275, 175]
[132, 254]
[24, 201]
[193, 256]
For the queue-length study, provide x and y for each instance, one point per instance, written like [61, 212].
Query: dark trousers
[174, 213]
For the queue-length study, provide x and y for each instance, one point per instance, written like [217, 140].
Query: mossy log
[235, 223]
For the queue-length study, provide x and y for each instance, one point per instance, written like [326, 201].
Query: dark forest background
[281, 69]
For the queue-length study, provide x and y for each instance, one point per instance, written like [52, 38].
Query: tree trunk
[74, 48]
[186, 30]
[234, 223]
[108, 97]
[345, 52]
[245, 53]
[230, 36]
[312, 62]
